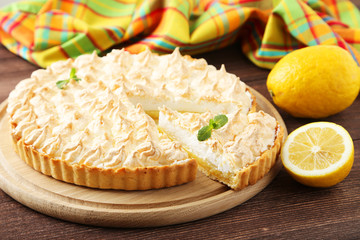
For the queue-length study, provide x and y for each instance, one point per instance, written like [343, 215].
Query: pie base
[140, 178]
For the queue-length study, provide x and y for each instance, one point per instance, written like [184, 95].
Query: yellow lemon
[318, 154]
[315, 82]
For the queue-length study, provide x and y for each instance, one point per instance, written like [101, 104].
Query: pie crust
[141, 178]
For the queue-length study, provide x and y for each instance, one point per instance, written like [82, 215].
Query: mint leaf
[216, 123]
[61, 84]
[73, 73]
[212, 123]
[220, 120]
[204, 133]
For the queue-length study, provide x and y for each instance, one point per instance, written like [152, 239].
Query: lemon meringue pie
[98, 129]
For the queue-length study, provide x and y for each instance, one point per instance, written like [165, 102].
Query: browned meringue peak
[234, 146]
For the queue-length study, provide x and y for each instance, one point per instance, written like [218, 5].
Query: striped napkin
[45, 31]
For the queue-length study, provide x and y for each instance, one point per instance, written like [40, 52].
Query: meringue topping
[101, 120]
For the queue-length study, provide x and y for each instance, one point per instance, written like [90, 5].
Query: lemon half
[319, 154]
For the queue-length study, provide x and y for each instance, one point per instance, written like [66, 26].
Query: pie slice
[237, 154]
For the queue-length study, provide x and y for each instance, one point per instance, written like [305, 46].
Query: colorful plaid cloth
[44, 31]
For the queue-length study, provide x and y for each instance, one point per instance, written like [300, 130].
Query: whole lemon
[315, 82]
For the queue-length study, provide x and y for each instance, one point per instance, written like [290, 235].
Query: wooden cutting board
[116, 208]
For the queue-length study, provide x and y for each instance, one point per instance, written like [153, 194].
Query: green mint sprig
[216, 123]
[62, 83]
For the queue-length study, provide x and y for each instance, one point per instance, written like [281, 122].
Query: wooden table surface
[283, 210]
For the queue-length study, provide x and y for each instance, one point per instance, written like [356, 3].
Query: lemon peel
[315, 82]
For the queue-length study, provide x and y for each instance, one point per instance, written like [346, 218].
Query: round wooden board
[115, 208]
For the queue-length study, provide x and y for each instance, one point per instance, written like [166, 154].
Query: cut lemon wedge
[318, 154]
